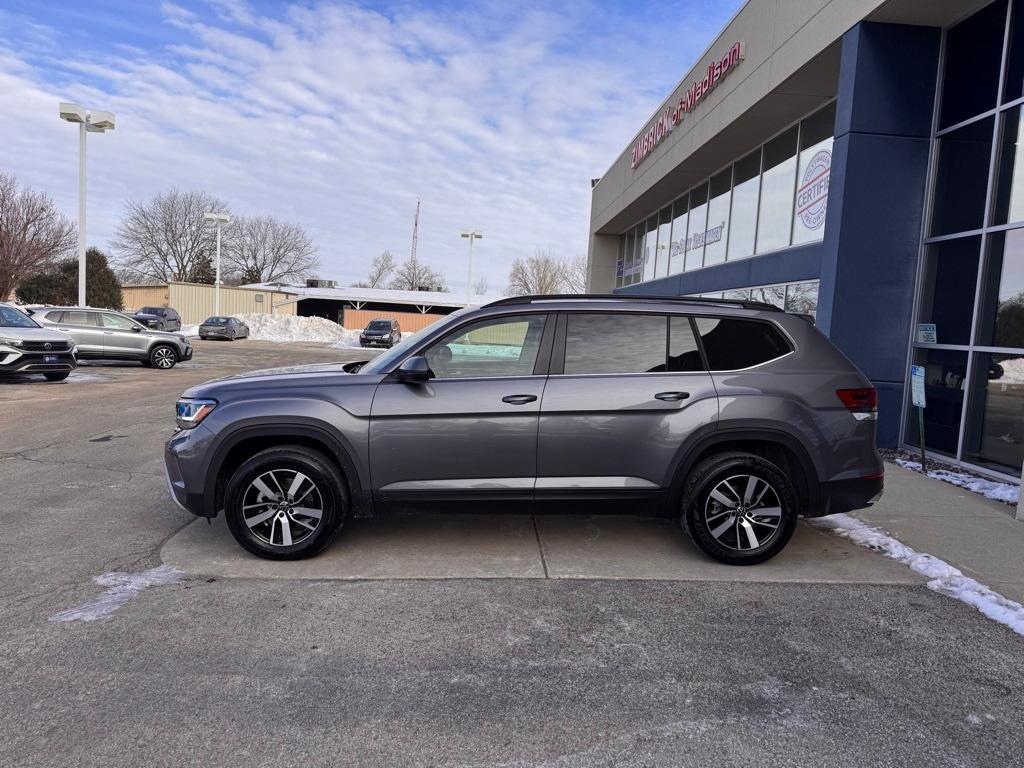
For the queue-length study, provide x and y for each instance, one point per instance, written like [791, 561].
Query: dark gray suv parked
[734, 417]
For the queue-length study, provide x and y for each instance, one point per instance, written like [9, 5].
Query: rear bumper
[848, 495]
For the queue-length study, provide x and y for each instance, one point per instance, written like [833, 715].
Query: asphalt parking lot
[440, 641]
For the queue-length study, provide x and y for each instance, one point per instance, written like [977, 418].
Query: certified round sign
[812, 196]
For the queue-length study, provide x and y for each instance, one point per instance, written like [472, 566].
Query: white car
[26, 347]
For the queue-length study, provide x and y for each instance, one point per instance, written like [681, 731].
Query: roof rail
[627, 297]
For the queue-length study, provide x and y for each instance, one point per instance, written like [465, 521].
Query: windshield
[216, 321]
[379, 325]
[13, 318]
[149, 311]
[382, 362]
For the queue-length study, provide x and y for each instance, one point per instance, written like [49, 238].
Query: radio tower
[415, 232]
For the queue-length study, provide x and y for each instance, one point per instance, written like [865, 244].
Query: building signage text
[691, 97]
[812, 194]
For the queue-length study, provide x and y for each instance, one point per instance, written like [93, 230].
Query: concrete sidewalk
[977, 535]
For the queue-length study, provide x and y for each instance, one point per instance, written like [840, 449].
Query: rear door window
[732, 344]
[79, 318]
[683, 352]
[615, 343]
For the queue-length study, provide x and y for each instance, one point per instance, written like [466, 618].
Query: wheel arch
[248, 440]
[777, 446]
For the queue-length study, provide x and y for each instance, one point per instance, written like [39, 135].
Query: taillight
[861, 402]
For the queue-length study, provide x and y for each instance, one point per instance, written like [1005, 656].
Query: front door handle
[108, 333]
[518, 399]
[671, 397]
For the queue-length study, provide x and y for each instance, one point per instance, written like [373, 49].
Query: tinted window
[974, 48]
[615, 343]
[683, 354]
[505, 346]
[961, 178]
[54, 317]
[732, 343]
[78, 318]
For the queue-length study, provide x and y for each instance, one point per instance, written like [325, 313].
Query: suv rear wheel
[285, 503]
[163, 356]
[739, 508]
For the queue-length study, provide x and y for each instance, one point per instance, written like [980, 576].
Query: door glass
[505, 346]
[683, 354]
[615, 343]
[944, 373]
[116, 321]
[78, 318]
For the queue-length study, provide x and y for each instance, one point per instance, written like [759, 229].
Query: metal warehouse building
[861, 160]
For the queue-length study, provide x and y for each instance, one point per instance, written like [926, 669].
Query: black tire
[204, 338]
[163, 357]
[748, 538]
[266, 538]
[57, 375]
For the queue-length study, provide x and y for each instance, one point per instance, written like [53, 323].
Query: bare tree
[414, 275]
[33, 234]
[480, 287]
[263, 249]
[380, 270]
[538, 274]
[575, 275]
[166, 238]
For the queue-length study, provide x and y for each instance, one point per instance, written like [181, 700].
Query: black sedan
[220, 327]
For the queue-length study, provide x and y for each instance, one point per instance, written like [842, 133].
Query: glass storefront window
[664, 241]
[717, 233]
[815, 165]
[698, 224]
[961, 178]
[770, 294]
[948, 283]
[620, 262]
[677, 251]
[1001, 323]
[650, 247]
[944, 375]
[1014, 86]
[974, 49]
[742, 294]
[995, 415]
[743, 219]
[1009, 199]
[802, 298]
[777, 177]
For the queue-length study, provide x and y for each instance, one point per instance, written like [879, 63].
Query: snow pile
[1013, 371]
[286, 328]
[121, 587]
[943, 577]
[190, 331]
[1005, 492]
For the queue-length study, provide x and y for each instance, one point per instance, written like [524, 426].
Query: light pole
[471, 235]
[88, 122]
[219, 219]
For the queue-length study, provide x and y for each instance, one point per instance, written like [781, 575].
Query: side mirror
[136, 329]
[415, 370]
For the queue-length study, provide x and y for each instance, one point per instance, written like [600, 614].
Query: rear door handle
[671, 397]
[518, 399]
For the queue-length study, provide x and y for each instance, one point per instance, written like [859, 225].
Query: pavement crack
[540, 547]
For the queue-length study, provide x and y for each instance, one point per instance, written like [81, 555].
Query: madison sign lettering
[692, 96]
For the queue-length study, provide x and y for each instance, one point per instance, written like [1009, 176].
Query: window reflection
[717, 232]
[650, 246]
[1009, 202]
[743, 221]
[945, 371]
[949, 281]
[677, 251]
[698, 224]
[1002, 316]
[664, 245]
[773, 223]
[995, 416]
[974, 48]
[961, 178]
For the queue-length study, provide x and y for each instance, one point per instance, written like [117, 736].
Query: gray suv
[108, 335]
[734, 417]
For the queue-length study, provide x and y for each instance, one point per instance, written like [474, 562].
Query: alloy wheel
[163, 357]
[743, 512]
[282, 507]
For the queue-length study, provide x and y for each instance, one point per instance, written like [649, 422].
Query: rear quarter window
[732, 344]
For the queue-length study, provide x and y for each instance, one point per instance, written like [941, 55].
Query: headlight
[188, 413]
[10, 342]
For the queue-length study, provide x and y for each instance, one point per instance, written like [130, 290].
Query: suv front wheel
[285, 503]
[163, 356]
[739, 508]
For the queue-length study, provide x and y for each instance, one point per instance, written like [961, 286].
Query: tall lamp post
[219, 219]
[470, 235]
[88, 122]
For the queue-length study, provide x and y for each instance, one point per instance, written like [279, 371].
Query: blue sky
[338, 115]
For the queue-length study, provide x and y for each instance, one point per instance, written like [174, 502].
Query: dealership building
[862, 161]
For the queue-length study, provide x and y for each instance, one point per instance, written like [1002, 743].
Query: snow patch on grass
[121, 587]
[189, 331]
[942, 576]
[1005, 492]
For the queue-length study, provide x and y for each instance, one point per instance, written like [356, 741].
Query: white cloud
[339, 116]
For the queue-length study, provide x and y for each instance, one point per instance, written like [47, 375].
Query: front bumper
[19, 362]
[375, 341]
[186, 353]
[184, 467]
